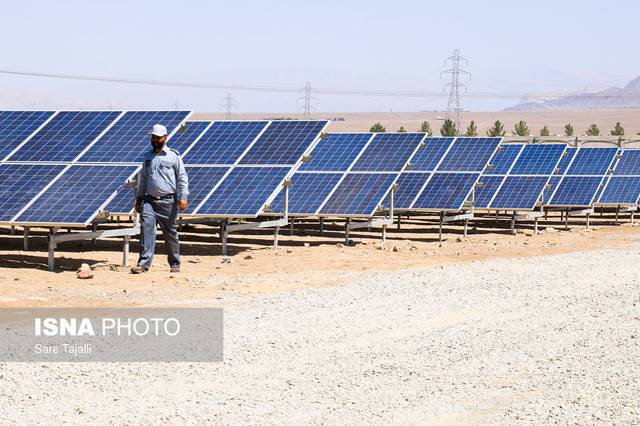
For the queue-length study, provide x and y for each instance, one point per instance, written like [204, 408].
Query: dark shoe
[138, 269]
[175, 268]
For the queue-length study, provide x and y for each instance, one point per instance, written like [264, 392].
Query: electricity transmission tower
[454, 106]
[307, 100]
[229, 106]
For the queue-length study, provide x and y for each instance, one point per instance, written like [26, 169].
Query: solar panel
[484, 194]
[388, 152]
[576, 191]
[621, 190]
[519, 192]
[446, 191]
[243, 192]
[336, 152]
[629, 163]
[283, 142]
[126, 141]
[592, 161]
[551, 187]
[567, 158]
[123, 202]
[427, 158]
[307, 193]
[186, 135]
[17, 126]
[201, 180]
[538, 159]
[504, 158]
[409, 185]
[65, 136]
[19, 183]
[77, 195]
[224, 142]
[469, 154]
[359, 194]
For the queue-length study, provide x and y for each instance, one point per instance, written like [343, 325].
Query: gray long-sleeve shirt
[163, 174]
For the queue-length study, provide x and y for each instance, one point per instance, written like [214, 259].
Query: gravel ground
[538, 340]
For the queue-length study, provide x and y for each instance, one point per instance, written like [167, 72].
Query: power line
[285, 89]
[454, 106]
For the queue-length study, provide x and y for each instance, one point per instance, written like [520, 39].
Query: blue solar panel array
[455, 163]
[388, 152]
[130, 136]
[244, 191]
[283, 142]
[17, 126]
[76, 196]
[623, 187]
[504, 158]
[526, 180]
[336, 152]
[65, 136]
[584, 178]
[224, 142]
[345, 172]
[469, 154]
[358, 194]
[186, 135]
[427, 159]
[20, 183]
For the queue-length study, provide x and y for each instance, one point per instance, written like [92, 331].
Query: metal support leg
[588, 220]
[13, 230]
[291, 227]
[275, 237]
[440, 228]
[466, 226]
[94, 226]
[52, 249]
[346, 231]
[125, 250]
[497, 215]
[224, 234]
[399, 216]
[513, 223]
[384, 234]
[566, 220]
[535, 226]
[617, 214]
[26, 238]
[632, 213]
[321, 225]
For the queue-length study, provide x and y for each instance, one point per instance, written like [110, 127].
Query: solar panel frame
[573, 179]
[381, 202]
[18, 219]
[621, 189]
[292, 169]
[88, 156]
[528, 161]
[12, 144]
[23, 185]
[22, 149]
[440, 170]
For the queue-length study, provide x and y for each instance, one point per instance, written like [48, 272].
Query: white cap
[158, 130]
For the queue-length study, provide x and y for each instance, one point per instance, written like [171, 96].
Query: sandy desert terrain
[488, 329]
[554, 120]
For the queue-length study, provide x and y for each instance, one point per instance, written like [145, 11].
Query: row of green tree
[519, 129]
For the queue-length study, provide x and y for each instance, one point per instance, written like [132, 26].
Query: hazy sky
[511, 47]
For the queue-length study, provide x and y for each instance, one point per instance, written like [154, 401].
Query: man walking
[162, 190]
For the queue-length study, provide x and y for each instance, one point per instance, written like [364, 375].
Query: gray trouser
[164, 212]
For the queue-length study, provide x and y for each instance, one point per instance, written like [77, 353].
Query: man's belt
[162, 197]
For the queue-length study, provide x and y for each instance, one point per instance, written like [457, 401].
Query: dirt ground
[304, 259]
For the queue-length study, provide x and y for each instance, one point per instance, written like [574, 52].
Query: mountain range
[611, 98]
